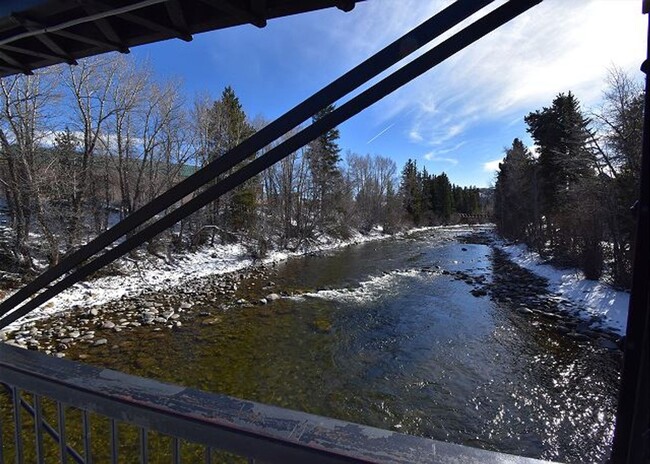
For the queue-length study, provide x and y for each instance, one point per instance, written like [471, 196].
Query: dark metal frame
[38, 33]
[350, 81]
[246, 428]
[632, 432]
[632, 426]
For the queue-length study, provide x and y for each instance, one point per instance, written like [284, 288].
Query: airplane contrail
[381, 133]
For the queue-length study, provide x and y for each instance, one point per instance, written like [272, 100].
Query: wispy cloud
[380, 133]
[492, 166]
[432, 156]
[557, 46]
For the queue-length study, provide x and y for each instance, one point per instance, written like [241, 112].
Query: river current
[384, 334]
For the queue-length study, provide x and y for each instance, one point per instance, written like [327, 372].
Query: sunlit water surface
[373, 339]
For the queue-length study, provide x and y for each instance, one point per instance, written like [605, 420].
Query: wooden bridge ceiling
[38, 33]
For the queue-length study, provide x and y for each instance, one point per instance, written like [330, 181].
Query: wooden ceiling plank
[228, 7]
[176, 15]
[38, 54]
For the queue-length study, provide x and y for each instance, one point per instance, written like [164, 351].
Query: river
[389, 334]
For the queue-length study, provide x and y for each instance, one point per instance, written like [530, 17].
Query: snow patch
[154, 274]
[597, 298]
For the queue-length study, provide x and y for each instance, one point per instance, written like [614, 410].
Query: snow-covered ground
[154, 274]
[596, 297]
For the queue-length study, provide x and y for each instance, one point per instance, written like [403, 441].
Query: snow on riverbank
[597, 298]
[153, 274]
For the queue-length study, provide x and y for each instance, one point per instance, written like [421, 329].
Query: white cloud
[432, 156]
[492, 166]
[557, 46]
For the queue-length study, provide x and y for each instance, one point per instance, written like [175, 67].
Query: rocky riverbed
[203, 300]
[199, 301]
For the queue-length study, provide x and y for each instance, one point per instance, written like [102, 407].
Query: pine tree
[411, 192]
[513, 195]
[568, 182]
[323, 155]
[229, 126]
[443, 197]
[561, 132]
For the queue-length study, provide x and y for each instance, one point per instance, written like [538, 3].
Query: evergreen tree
[567, 181]
[513, 200]
[323, 155]
[443, 197]
[229, 126]
[561, 132]
[411, 191]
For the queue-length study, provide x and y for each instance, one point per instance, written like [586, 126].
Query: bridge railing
[55, 410]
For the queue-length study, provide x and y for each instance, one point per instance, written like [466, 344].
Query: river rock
[100, 341]
[108, 325]
[74, 334]
[578, 336]
[272, 297]
[608, 344]
[185, 305]
[211, 320]
[16, 344]
[263, 301]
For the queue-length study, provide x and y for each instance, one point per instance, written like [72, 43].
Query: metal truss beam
[262, 138]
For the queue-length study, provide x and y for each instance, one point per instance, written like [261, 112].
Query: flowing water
[371, 337]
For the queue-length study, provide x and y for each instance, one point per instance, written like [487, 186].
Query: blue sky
[459, 116]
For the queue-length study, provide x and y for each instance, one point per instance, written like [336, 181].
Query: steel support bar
[375, 93]
[389, 84]
[59, 436]
[393, 53]
[257, 431]
[632, 432]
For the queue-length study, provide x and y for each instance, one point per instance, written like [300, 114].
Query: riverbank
[151, 275]
[597, 299]
[196, 288]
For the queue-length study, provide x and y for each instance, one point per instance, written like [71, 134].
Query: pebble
[607, 343]
[578, 336]
[108, 325]
[272, 297]
[100, 341]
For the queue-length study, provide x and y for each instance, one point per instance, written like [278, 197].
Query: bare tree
[25, 171]
[89, 85]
